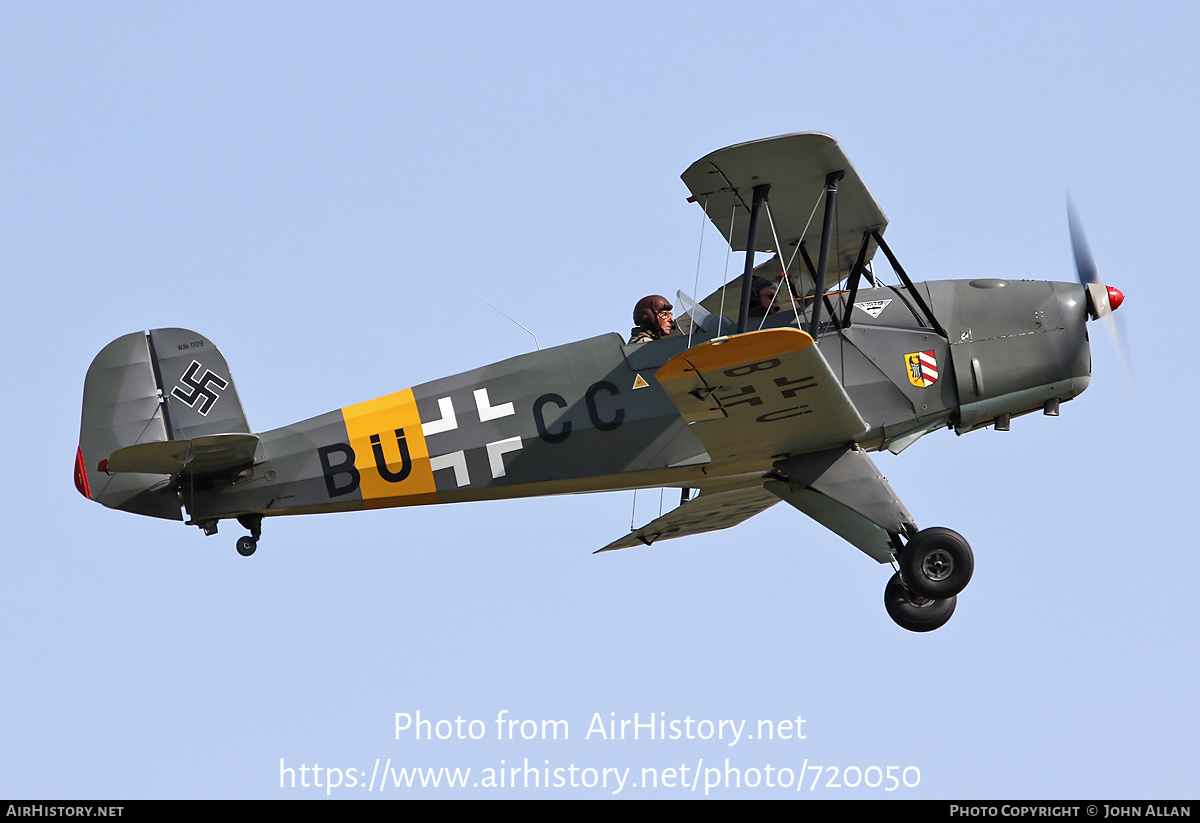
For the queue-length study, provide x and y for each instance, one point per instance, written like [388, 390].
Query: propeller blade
[1103, 299]
[1115, 326]
[1085, 266]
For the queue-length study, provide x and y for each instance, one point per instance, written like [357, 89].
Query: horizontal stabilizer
[709, 512]
[199, 457]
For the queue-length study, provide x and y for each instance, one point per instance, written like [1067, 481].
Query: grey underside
[839, 488]
[844, 491]
[713, 510]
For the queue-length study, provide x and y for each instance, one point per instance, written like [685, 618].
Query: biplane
[740, 412]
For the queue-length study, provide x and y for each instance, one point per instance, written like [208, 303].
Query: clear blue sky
[322, 190]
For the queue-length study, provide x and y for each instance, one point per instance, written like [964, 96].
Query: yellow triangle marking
[639, 383]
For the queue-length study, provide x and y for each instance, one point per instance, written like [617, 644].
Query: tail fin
[169, 384]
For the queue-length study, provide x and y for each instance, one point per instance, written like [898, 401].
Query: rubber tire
[948, 552]
[915, 613]
[246, 546]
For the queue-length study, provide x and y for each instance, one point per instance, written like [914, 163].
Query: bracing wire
[786, 277]
[725, 277]
[696, 285]
[787, 266]
[811, 215]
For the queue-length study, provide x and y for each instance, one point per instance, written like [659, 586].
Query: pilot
[762, 298]
[652, 319]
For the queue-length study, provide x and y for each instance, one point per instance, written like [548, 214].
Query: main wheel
[246, 546]
[913, 612]
[937, 563]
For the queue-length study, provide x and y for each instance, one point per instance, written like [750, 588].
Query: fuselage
[590, 416]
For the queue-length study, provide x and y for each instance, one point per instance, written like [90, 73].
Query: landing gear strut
[248, 543]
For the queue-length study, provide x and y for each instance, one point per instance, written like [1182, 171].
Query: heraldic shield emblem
[922, 368]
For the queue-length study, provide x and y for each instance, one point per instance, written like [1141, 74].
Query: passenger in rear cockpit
[652, 319]
[762, 298]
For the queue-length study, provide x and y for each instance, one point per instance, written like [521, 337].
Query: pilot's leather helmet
[645, 313]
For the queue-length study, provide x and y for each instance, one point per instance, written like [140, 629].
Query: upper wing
[762, 394]
[712, 510]
[795, 166]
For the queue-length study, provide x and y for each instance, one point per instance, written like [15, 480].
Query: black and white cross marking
[457, 460]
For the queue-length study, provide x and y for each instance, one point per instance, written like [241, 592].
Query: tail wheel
[913, 612]
[246, 546]
[937, 563]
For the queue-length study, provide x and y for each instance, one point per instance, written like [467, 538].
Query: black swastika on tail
[204, 390]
